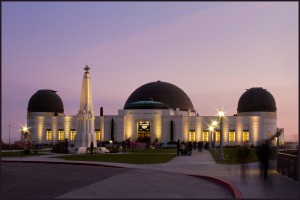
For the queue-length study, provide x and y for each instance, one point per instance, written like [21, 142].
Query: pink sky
[211, 50]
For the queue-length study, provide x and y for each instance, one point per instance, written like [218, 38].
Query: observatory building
[156, 111]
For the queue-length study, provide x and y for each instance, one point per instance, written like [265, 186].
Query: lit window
[205, 136]
[231, 136]
[72, 135]
[245, 136]
[97, 132]
[49, 134]
[192, 136]
[217, 136]
[61, 134]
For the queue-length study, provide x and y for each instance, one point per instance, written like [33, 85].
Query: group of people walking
[186, 148]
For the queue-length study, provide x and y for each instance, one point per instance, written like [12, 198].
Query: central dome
[162, 92]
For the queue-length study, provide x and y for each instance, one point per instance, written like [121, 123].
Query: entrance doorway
[144, 131]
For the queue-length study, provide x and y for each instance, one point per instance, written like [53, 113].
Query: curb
[229, 186]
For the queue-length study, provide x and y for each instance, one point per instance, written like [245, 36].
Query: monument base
[80, 150]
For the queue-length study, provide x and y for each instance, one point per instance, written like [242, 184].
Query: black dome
[162, 92]
[147, 104]
[45, 101]
[256, 99]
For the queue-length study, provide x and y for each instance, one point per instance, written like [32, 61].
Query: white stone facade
[260, 125]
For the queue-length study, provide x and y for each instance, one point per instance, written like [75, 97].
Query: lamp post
[214, 124]
[9, 133]
[221, 155]
[24, 131]
[211, 129]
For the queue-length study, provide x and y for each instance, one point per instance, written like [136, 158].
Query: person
[92, 147]
[198, 145]
[201, 146]
[194, 145]
[206, 145]
[263, 154]
[189, 148]
[178, 147]
[243, 159]
[182, 148]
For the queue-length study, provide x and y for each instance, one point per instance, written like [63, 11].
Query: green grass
[131, 158]
[19, 154]
[232, 155]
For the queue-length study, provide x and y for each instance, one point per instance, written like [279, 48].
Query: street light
[24, 131]
[221, 155]
[214, 124]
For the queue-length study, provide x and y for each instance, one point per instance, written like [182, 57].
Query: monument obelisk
[85, 126]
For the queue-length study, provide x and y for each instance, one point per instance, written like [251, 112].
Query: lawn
[131, 158]
[231, 155]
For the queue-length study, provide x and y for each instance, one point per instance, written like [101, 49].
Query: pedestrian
[263, 154]
[92, 147]
[178, 147]
[194, 145]
[182, 148]
[190, 148]
[243, 159]
[206, 145]
[201, 146]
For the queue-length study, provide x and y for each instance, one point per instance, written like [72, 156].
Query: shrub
[60, 147]
[113, 149]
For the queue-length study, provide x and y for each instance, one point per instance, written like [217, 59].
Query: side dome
[162, 94]
[256, 100]
[45, 101]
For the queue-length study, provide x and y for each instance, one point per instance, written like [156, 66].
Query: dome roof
[45, 101]
[146, 104]
[160, 93]
[255, 100]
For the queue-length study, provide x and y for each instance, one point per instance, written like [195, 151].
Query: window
[72, 135]
[245, 136]
[192, 136]
[49, 134]
[97, 132]
[61, 135]
[205, 136]
[231, 136]
[217, 136]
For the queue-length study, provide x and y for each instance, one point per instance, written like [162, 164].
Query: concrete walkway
[200, 164]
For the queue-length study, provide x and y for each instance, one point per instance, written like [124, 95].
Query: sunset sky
[211, 50]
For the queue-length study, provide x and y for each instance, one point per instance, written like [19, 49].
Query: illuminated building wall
[260, 127]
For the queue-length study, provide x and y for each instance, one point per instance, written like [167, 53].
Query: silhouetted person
[178, 147]
[190, 148]
[264, 153]
[92, 147]
[200, 146]
[206, 145]
[194, 145]
[243, 155]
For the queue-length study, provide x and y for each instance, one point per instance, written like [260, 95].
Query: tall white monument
[85, 127]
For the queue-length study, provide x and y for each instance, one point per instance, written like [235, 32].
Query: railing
[287, 163]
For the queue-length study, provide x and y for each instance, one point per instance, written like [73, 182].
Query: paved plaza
[184, 177]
